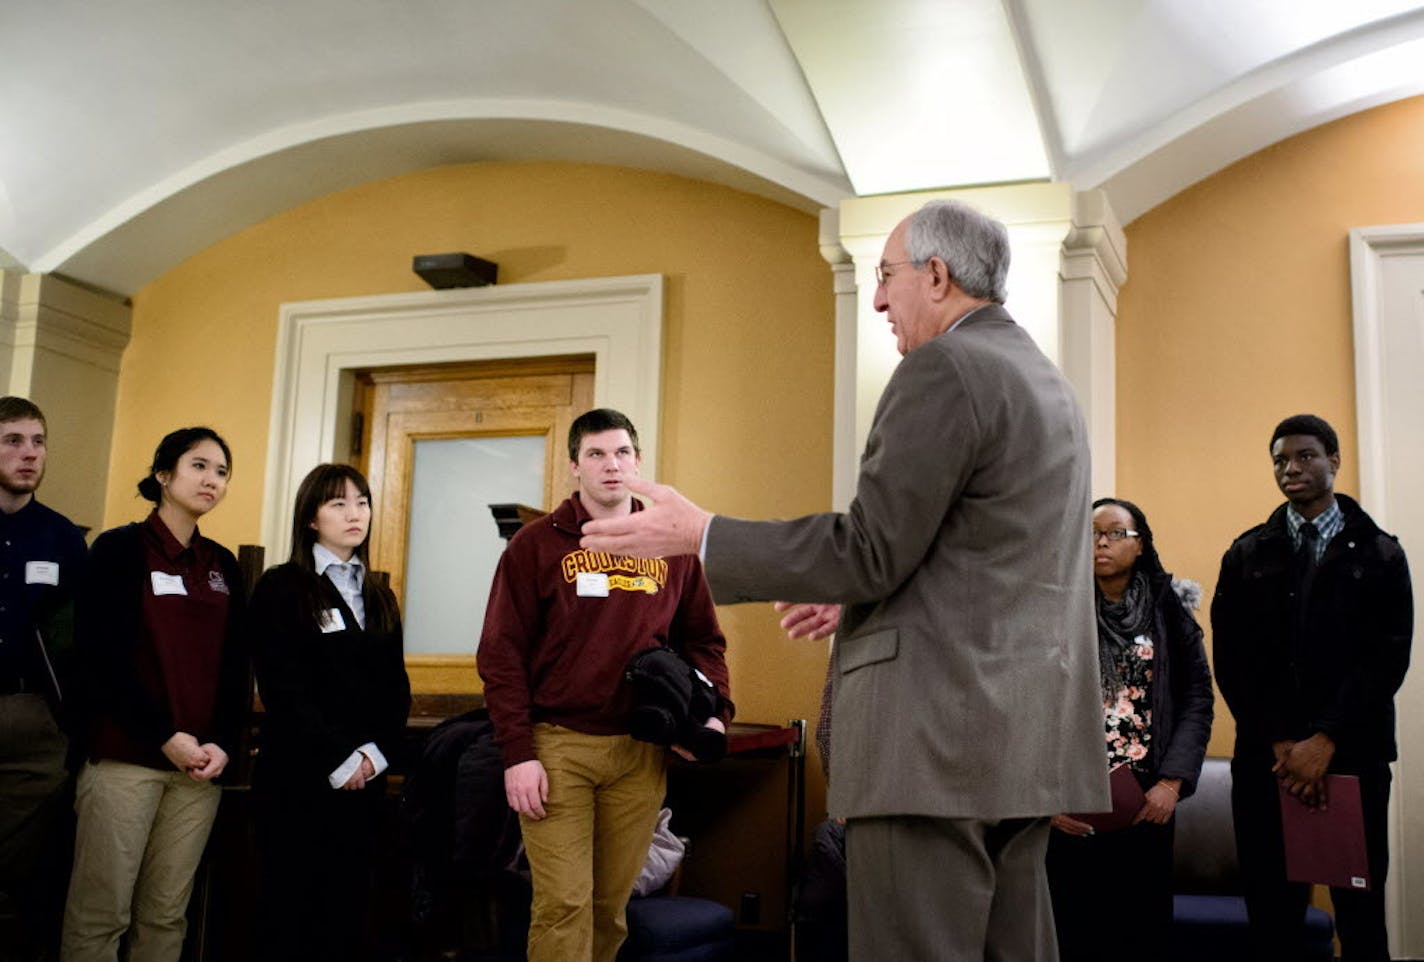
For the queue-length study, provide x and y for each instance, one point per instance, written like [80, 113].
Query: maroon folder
[1127, 801]
[1327, 846]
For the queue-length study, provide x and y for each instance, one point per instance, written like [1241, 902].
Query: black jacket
[324, 694]
[109, 631]
[1182, 699]
[454, 808]
[1339, 672]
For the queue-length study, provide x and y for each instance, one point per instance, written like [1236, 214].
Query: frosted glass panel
[453, 545]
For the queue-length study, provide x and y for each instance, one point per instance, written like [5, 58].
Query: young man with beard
[41, 554]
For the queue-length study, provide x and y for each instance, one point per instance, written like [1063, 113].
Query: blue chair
[676, 928]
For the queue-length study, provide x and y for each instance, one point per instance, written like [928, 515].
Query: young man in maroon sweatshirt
[560, 627]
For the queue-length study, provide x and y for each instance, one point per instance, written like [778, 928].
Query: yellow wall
[747, 345]
[1236, 313]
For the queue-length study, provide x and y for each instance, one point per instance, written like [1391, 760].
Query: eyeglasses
[881, 273]
[1113, 534]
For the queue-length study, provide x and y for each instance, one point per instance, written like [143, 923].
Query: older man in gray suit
[967, 708]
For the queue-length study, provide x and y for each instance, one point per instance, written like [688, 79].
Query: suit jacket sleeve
[395, 686]
[910, 476]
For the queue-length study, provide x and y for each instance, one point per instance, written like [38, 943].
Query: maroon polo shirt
[179, 656]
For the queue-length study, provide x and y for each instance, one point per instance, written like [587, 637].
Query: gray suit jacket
[966, 665]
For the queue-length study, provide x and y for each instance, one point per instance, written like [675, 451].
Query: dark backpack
[460, 827]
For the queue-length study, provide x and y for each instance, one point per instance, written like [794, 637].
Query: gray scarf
[1119, 625]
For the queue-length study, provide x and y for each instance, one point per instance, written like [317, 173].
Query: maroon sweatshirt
[562, 623]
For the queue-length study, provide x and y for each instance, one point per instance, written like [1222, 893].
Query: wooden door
[489, 410]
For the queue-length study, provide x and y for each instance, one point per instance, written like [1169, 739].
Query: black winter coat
[1182, 699]
[1339, 672]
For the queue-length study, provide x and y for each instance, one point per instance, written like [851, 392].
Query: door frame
[1369, 246]
[322, 344]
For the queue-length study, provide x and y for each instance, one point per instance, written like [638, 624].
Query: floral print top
[1129, 712]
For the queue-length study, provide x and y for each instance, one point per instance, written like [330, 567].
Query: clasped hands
[202, 763]
[1301, 767]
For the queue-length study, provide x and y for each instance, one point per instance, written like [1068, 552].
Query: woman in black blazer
[331, 674]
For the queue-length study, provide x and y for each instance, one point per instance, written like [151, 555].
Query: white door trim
[320, 344]
[1369, 247]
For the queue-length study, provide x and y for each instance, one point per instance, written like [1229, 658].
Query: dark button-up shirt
[41, 555]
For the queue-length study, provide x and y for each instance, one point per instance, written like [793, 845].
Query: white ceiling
[134, 133]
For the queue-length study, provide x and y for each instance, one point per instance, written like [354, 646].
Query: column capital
[1095, 246]
[60, 345]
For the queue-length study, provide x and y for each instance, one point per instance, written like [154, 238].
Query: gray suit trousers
[949, 890]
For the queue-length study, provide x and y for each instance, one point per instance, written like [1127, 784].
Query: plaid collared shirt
[1328, 523]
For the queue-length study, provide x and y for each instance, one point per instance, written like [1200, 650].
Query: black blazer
[324, 693]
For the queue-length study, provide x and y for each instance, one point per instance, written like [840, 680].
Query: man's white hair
[973, 246]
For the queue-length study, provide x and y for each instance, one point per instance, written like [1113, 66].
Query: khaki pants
[141, 834]
[604, 795]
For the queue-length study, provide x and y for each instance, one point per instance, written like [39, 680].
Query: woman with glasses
[331, 673]
[1157, 711]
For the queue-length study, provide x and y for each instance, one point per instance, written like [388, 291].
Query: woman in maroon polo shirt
[156, 624]
[331, 670]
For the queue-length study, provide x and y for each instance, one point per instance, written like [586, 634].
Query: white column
[60, 346]
[847, 358]
[1068, 259]
[1093, 265]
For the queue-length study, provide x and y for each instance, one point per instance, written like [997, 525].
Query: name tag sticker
[331, 620]
[166, 584]
[41, 572]
[592, 584]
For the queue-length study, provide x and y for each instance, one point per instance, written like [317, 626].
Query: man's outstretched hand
[670, 525]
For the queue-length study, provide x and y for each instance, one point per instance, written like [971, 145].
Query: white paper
[166, 584]
[41, 572]
[592, 584]
[331, 620]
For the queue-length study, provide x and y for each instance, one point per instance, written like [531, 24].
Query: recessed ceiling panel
[918, 94]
